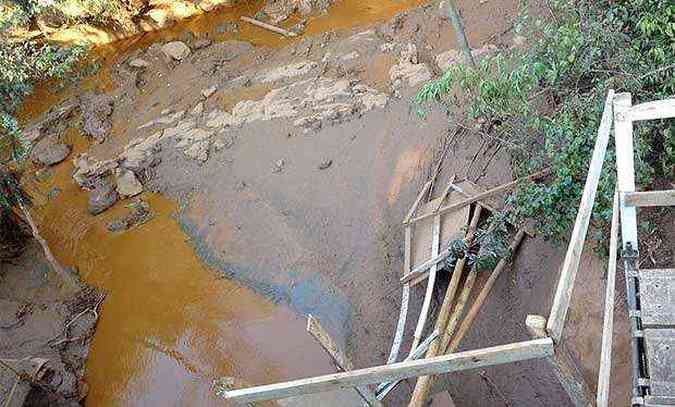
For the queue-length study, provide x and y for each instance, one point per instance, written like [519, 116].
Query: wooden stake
[458, 25]
[473, 311]
[424, 383]
[328, 344]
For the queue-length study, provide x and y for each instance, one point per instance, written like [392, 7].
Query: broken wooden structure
[430, 226]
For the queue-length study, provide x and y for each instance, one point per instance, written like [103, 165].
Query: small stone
[209, 5]
[325, 164]
[139, 63]
[206, 93]
[176, 50]
[102, 197]
[127, 184]
[279, 166]
[198, 151]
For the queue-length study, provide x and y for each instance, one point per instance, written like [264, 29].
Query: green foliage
[546, 101]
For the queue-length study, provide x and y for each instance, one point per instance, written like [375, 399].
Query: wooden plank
[657, 297]
[487, 194]
[568, 273]
[659, 109]
[650, 198]
[315, 329]
[608, 322]
[269, 27]
[431, 283]
[445, 193]
[413, 208]
[496, 355]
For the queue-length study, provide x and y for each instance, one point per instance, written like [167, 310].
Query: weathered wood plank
[496, 355]
[413, 208]
[608, 323]
[568, 273]
[659, 109]
[650, 198]
[431, 283]
[484, 195]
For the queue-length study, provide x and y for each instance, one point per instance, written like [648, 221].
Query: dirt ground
[301, 198]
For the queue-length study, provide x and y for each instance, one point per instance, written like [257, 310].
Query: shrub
[545, 102]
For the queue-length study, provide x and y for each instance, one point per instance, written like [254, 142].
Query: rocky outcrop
[89, 171]
[409, 71]
[50, 151]
[127, 184]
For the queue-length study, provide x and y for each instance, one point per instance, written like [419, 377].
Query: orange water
[169, 325]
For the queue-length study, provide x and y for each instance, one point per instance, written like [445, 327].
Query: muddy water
[169, 326]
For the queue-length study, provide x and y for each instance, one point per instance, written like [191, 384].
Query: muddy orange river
[170, 325]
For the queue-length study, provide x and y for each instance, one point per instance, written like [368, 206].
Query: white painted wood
[650, 198]
[608, 323]
[568, 273]
[623, 133]
[496, 355]
[431, 284]
[413, 208]
[659, 109]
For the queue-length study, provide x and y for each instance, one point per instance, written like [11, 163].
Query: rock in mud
[206, 93]
[49, 151]
[198, 109]
[127, 184]
[96, 112]
[219, 118]
[325, 164]
[198, 151]
[176, 50]
[138, 63]
[141, 154]
[287, 71]
[54, 122]
[279, 166]
[89, 171]
[202, 43]
[102, 197]
[448, 58]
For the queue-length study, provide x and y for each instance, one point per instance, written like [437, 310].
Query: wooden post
[659, 109]
[458, 25]
[473, 311]
[568, 273]
[431, 283]
[496, 355]
[608, 323]
[563, 365]
[424, 383]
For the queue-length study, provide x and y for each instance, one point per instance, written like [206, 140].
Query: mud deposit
[275, 174]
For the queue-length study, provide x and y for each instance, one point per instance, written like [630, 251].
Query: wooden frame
[568, 273]
[496, 355]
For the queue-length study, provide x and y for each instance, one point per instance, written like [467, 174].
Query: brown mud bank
[293, 163]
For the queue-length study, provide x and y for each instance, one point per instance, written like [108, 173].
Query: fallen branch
[269, 27]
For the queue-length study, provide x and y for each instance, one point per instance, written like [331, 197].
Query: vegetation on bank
[544, 101]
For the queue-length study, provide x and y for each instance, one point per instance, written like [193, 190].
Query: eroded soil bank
[293, 164]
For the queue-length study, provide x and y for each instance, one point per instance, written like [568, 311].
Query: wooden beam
[486, 194]
[413, 208]
[659, 109]
[496, 355]
[315, 329]
[608, 323]
[650, 198]
[445, 193]
[568, 273]
[431, 283]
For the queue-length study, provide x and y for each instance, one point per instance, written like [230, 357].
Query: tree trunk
[458, 25]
